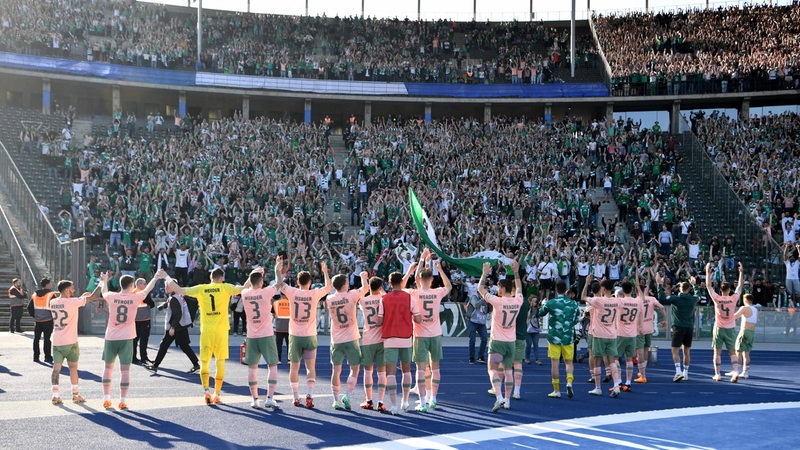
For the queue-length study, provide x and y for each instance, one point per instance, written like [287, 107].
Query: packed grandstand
[562, 194]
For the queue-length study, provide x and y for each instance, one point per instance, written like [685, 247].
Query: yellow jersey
[213, 300]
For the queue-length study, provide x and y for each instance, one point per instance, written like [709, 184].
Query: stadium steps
[608, 207]
[81, 128]
[709, 216]
[7, 273]
[338, 193]
[33, 166]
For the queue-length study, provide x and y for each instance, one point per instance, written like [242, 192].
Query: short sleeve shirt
[504, 317]
[65, 319]
[258, 311]
[343, 314]
[370, 306]
[428, 302]
[213, 299]
[303, 310]
[122, 314]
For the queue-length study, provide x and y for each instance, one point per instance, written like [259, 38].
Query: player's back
[65, 319]
[647, 315]
[504, 317]
[724, 309]
[258, 311]
[213, 300]
[121, 314]
[303, 309]
[370, 306]
[428, 302]
[604, 317]
[627, 319]
[344, 320]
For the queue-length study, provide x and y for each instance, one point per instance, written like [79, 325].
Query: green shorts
[519, 350]
[372, 355]
[604, 347]
[390, 355]
[744, 342]
[298, 345]
[349, 350]
[505, 350]
[258, 347]
[69, 352]
[644, 340]
[724, 337]
[425, 346]
[123, 349]
[626, 346]
[589, 341]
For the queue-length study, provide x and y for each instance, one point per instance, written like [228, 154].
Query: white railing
[21, 264]
[57, 255]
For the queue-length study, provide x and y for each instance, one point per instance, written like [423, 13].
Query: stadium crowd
[755, 156]
[142, 34]
[747, 48]
[232, 193]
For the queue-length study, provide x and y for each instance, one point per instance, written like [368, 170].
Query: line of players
[402, 324]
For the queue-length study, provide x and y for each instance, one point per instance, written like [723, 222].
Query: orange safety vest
[43, 301]
[282, 309]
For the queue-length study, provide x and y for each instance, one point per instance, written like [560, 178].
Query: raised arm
[708, 280]
[740, 285]
[175, 287]
[517, 280]
[445, 279]
[411, 269]
[324, 266]
[104, 283]
[364, 283]
[487, 267]
[586, 287]
[160, 275]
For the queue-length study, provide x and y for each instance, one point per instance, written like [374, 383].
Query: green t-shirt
[562, 320]
[145, 262]
[683, 306]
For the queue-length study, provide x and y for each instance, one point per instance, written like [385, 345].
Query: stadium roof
[462, 10]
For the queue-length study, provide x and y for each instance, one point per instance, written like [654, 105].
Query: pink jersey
[303, 309]
[628, 318]
[604, 316]
[428, 302]
[258, 311]
[724, 308]
[121, 314]
[370, 306]
[648, 315]
[343, 313]
[65, 319]
[504, 317]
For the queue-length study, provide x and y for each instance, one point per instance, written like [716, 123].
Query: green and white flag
[473, 265]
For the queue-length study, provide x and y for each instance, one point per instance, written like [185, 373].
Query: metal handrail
[21, 264]
[27, 188]
[55, 254]
[606, 66]
[697, 147]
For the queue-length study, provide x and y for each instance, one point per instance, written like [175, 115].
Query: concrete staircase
[335, 191]
[710, 216]
[81, 128]
[608, 206]
[7, 273]
[33, 165]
